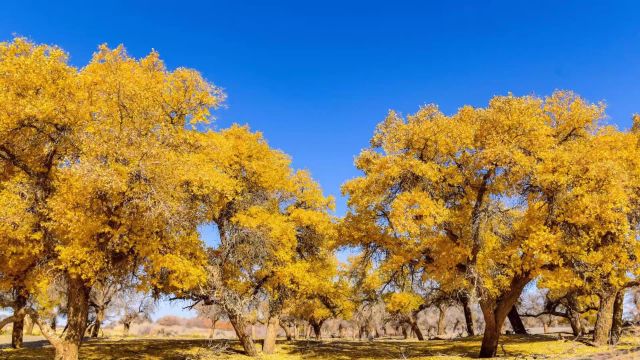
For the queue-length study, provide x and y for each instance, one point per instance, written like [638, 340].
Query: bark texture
[616, 326]
[575, 320]
[77, 315]
[269, 342]
[495, 312]
[18, 324]
[604, 320]
[243, 331]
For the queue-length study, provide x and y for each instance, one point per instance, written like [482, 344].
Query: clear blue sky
[316, 76]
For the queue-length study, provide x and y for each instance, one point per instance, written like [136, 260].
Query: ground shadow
[513, 346]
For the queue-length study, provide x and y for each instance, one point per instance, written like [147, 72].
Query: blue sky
[316, 76]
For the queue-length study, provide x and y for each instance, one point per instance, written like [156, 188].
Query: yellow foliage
[402, 302]
[490, 198]
[88, 157]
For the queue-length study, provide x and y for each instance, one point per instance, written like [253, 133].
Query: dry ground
[513, 347]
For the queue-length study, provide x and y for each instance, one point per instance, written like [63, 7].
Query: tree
[458, 196]
[17, 302]
[101, 296]
[406, 306]
[595, 187]
[370, 318]
[34, 81]
[274, 227]
[132, 307]
[91, 147]
[212, 312]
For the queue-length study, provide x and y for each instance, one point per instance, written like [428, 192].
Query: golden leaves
[100, 154]
[538, 176]
[402, 302]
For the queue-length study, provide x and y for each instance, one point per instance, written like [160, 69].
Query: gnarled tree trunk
[67, 346]
[604, 320]
[416, 330]
[18, 324]
[516, 321]
[243, 331]
[493, 321]
[575, 320]
[616, 326]
[77, 315]
[269, 342]
[495, 312]
[468, 314]
[287, 330]
[16, 333]
[95, 330]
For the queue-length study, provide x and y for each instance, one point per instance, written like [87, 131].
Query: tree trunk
[269, 342]
[575, 320]
[295, 331]
[516, 321]
[77, 314]
[68, 344]
[287, 330]
[243, 332]
[317, 328]
[493, 321]
[16, 333]
[490, 338]
[95, 330]
[405, 333]
[495, 312]
[604, 320]
[416, 330]
[125, 329]
[468, 315]
[442, 317]
[54, 322]
[616, 326]
[18, 324]
[213, 329]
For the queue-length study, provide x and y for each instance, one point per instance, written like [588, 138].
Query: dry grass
[513, 347]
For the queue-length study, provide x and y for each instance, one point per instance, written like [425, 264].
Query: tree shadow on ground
[512, 346]
[126, 349]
